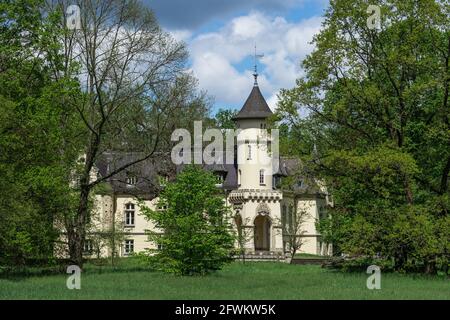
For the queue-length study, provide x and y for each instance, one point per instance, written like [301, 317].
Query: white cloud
[218, 57]
[181, 34]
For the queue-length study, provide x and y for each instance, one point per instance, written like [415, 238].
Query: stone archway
[262, 225]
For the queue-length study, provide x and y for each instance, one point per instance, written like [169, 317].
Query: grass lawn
[255, 280]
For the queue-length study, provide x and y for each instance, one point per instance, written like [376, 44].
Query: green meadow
[257, 280]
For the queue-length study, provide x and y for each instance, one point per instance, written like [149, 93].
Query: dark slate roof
[146, 172]
[229, 171]
[299, 171]
[255, 107]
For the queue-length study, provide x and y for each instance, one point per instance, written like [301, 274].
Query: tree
[293, 228]
[34, 126]
[224, 119]
[243, 234]
[132, 82]
[192, 224]
[377, 105]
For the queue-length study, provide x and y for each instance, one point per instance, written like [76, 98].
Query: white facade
[259, 207]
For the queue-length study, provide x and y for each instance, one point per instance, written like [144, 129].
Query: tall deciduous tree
[133, 84]
[35, 125]
[378, 119]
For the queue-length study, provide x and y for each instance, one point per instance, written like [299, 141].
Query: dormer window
[276, 182]
[131, 180]
[163, 180]
[219, 179]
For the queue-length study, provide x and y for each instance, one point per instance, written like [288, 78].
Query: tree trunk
[430, 266]
[76, 235]
[294, 251]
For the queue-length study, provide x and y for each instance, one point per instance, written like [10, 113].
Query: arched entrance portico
[262, 233]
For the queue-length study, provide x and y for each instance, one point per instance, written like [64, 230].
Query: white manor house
[255, 195]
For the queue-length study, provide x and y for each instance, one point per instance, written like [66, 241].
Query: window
[129, 214]
[162, 205]
[131, 180]
[283, 215]
[289, 217]
[129, 247]
[219, 179]
[263, 125]
[239, 177]
[300, 183]
[261, 177]
[160, 246]
[163, 180]
[276, 182]
[249, 149]
[87, 247]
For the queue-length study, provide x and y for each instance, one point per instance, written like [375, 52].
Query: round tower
[256, 202]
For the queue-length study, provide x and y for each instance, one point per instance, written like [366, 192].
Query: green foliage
[35, 128]
[372, 118]
[194, 231]
[224, 119]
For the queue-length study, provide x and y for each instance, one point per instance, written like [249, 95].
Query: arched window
[261, 177]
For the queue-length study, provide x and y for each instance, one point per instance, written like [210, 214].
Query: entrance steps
[263, 256]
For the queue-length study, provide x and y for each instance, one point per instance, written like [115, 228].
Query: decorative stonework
[237, 207]
[263, 209]
[242, 195]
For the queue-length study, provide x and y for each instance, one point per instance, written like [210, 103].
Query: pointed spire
[255, 107]
[255, 73]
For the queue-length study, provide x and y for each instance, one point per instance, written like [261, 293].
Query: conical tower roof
[255, 107]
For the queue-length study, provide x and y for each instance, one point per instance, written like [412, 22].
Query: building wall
[312, 205]
[104, 205]
[257, 140]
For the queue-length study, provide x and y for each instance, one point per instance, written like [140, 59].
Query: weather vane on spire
[255, 74]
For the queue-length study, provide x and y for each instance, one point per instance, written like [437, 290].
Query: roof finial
[255, 74]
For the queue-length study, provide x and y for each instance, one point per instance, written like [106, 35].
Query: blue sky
[221, 35]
